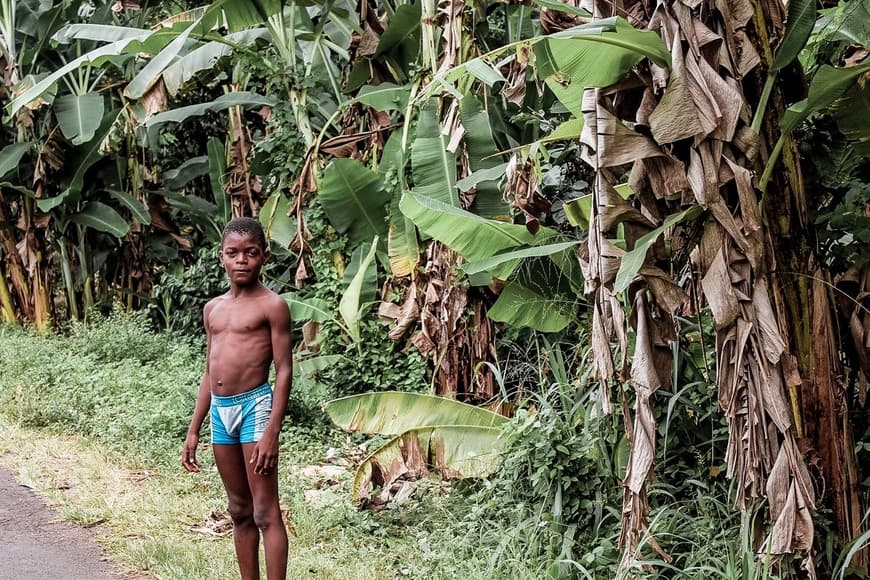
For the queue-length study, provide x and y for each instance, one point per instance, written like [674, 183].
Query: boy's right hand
[188, 452]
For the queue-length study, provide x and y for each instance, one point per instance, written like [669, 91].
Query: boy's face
[242, 257]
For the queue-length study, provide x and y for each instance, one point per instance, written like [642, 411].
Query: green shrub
[112, 379]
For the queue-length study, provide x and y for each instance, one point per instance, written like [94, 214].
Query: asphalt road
[34, 546]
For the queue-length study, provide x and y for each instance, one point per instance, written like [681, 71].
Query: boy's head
[245, 226]
[243, 251]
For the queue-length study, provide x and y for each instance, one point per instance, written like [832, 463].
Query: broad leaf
[522, 307]
[402, 32]
[369, 288]
[432, 165]
[235, 99]
[470, 182]
[101, 217]
[302, 309]
[455, 451]
[385, 97]
[633, 261]
[205, 57]
[852, 112]
[482, 155]
[828, 84]
[151, 72]
[485, 72]
[79, 116]
[490, 264]
[393, 412]
[350, 306]
[354, 199]
[217, 172]
[186, 172]
[136, 207]
[279, 227]
[11, 155]
[597, 54]
[402, 246]
[308, 366]
[798, 27]
[472, 236]
[99, 33]
[95, 57]
[82, 159]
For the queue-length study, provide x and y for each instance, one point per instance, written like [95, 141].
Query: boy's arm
[200, 411]
[265, 454]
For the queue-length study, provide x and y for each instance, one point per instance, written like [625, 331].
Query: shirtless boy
[246, 330]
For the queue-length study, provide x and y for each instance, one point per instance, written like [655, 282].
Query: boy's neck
[237, 291]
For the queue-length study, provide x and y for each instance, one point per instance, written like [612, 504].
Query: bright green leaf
[393, 412]
[350, 307]
[354, 199]
[521, 307]
[79, 116]
[103, 218]
[385, 97]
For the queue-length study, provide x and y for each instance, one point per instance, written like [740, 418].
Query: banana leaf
[234, 99]
[79, 116]
[633, 261]
[799, 25]
[103, 218]
[354, 199]
[385, 97]
[523, 307]
[351, 307]
[473, 237]
[138, 209]
[432, 165]
[402, 246]
[302, 309]
[279, 227]
[217, 172]
[594, 55]
[204, 57]
[11, 155]
[393, 412]
[483, 154]
[455, 451]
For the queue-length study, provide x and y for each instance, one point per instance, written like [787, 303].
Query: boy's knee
[240, 512]
[264, 518]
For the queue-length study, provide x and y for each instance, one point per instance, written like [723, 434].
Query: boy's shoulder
[273, 299]
[214, 301]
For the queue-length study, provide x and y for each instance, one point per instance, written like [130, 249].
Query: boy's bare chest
[230, 318]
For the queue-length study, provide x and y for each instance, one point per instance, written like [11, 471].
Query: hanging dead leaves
[691, 144]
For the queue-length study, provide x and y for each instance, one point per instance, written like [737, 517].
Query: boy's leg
[267, 516]
[231, 464]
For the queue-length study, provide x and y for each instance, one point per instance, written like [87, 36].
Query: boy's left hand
[265, 455]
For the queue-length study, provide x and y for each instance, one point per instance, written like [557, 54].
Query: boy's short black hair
[245, 226]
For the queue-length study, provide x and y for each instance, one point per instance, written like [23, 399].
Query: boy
[246, 330]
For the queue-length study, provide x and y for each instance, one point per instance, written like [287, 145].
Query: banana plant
[428, 434]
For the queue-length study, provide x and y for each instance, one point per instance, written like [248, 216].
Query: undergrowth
[552, 510]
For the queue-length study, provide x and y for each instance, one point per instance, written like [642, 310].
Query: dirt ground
[34, 545]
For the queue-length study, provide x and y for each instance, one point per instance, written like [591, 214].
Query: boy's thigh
[264, 488]
[231, 464]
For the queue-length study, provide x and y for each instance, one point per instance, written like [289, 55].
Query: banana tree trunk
[819, 396]
[7, 308]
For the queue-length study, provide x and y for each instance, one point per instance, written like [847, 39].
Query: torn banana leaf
[393, 412]
[454, 451]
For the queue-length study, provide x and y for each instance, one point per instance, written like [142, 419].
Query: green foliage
[113, 379]
[181, 295]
